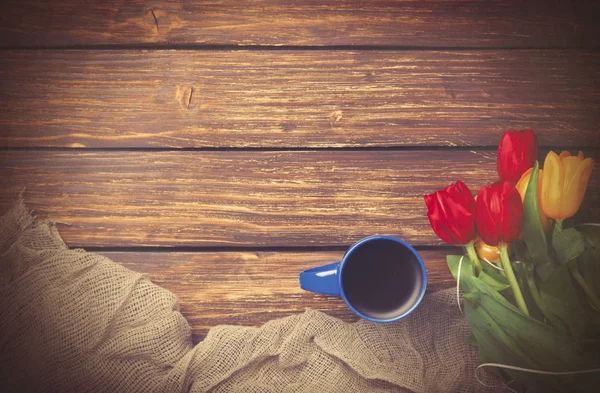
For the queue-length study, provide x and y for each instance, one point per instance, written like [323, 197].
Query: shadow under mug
[380, 278]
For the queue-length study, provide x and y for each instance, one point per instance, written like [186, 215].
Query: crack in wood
[190, 99]
[155, 21]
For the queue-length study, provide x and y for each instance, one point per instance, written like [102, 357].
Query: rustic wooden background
[225, 146]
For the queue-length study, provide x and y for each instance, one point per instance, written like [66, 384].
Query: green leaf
[589, 266]
[496, 283]
[468, 282]
[568, 244]
[509, 337]
[490, 282]
[544, 270]
[452, 261]
[564, 313]
[471, 340]
[493, 272]
[595, 318]
[480, 286]
[466, 271]
[496, 346]
[533, 230]
[591, 232]
[523, 270]
[560, 296]
[521, 252]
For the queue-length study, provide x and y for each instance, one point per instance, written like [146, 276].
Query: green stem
[588, 291]
[558, 227]
[539, 302]
[512, 280]
[474, 258]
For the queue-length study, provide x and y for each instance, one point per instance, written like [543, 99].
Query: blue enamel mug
[380, 278]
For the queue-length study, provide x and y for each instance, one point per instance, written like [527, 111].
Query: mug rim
[402, 243]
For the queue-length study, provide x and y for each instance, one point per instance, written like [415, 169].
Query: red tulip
[499, 213]
[517, 152]
[451, 214]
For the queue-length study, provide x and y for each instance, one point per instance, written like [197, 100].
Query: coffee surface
[381, 279]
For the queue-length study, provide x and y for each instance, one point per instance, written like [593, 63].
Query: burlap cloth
[74, 321]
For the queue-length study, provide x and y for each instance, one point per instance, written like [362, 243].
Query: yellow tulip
[564, 182]
[487, 252]
[522, 188]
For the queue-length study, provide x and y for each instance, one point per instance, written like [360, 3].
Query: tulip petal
[523, 182]
[466, 194]
[512, 212]
[484, 219]
[568, 203]
[564, 154]
[436, 217]
[570, 165]
[552, 186]
[454, 212]
[574, 190]
[499, 213]
[529, 153]
[517, 152]
[450, 212]
[429, 199]
[543, 216]
[495, 211]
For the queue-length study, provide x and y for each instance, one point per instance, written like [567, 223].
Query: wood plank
[244, 198]
[281, 99]
[247, 288]
[415, 23]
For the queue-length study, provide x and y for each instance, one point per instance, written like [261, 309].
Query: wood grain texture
[229, 198]
[243, 288]
[300, 99]
[415, 23]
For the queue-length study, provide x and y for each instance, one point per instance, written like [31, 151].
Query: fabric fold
[74, 321]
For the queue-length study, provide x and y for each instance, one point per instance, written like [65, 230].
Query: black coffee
[382, 279]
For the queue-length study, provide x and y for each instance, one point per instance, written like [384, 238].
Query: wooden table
[225, 146]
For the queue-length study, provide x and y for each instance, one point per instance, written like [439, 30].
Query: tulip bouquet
[530, 277]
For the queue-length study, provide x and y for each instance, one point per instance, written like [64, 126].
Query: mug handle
[323, 279]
